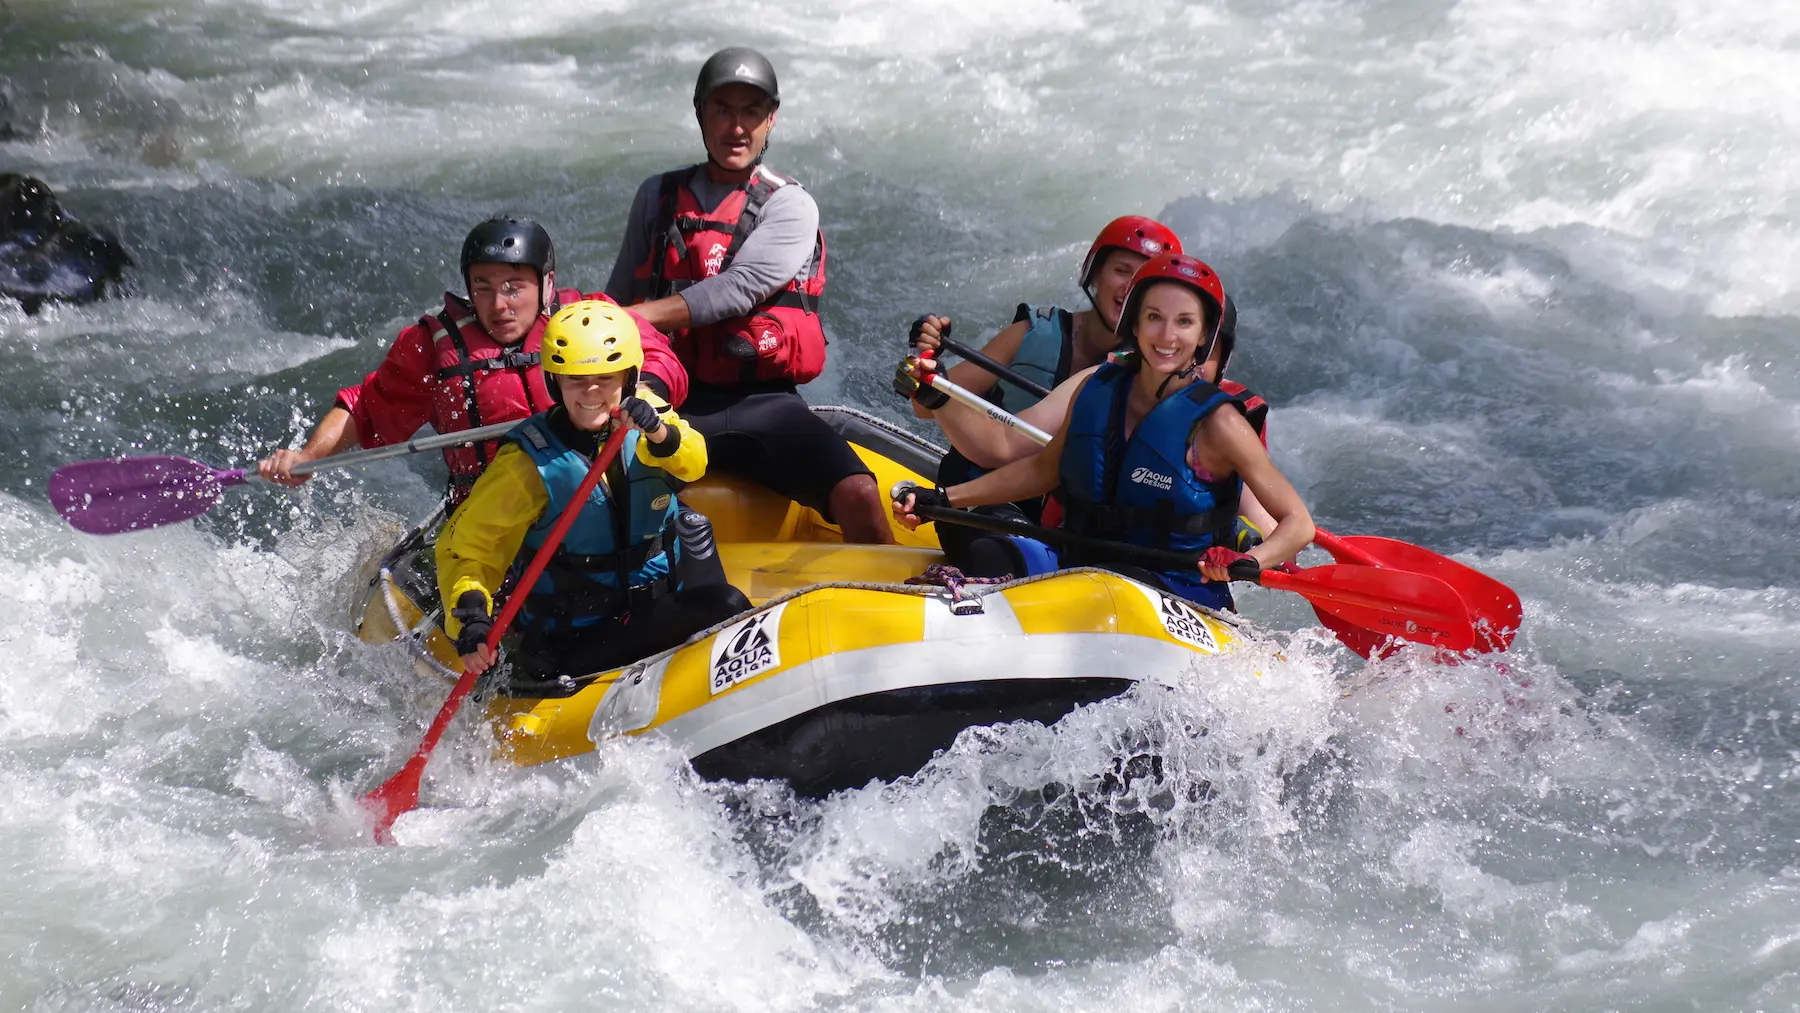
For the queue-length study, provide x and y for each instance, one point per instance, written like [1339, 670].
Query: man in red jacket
[471, 364]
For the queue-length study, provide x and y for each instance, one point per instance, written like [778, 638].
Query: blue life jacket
[1141, 490]
[610, 561]
[1045, 354]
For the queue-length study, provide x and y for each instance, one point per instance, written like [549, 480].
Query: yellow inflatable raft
[843, 672]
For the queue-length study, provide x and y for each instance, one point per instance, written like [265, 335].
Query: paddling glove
[918, 329]
[471, 609]
[1233, 560]
[923, 496]
[643, 413]
[908, 386]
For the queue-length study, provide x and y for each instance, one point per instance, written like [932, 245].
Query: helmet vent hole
[509, 242]
[584, 321]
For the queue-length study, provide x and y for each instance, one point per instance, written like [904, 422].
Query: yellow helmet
[589, 337]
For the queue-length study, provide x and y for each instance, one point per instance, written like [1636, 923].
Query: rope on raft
[963, 602]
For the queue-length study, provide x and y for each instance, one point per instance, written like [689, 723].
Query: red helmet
[1136, 233]
[1182, 270]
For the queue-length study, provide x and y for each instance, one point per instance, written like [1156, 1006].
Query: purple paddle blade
[133, 493]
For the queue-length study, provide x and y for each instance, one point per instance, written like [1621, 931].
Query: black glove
[471, 608]
[908, 386]
[642, 413]
[918, 326]
[934, 496]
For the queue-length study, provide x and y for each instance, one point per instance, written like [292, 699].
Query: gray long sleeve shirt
[779, 250]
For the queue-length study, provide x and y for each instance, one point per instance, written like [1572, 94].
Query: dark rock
[46, 255]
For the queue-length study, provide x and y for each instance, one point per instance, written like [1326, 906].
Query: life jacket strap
[513, 359]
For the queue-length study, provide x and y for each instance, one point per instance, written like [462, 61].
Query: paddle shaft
[937, 381]
[412, 446]
[995, 367]
[1159, 558]
[401, 792]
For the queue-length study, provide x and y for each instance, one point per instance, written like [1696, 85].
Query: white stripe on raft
[843, 675]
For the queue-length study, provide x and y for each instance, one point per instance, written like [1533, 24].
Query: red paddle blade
[1397, 603]
[400, 793]
[133, 493]
[1494, 607]
[394, 798]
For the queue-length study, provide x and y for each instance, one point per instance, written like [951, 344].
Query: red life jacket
[1256, 410]
[781, 338]
[480, 382]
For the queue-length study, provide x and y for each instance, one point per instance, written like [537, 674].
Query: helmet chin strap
[1183, 373]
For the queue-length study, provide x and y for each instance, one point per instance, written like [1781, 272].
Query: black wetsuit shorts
[765, 433]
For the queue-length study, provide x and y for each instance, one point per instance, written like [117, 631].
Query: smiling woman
[1145, 455]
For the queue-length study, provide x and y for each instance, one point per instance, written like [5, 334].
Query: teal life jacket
[1045, 355]
[611, 560]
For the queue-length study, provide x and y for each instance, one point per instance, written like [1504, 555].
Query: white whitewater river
[1519, 279]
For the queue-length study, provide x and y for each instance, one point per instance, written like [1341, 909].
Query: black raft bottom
[883, 736]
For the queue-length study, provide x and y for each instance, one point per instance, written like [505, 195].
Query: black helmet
[31, 210]
[504, 239]
[736, 65]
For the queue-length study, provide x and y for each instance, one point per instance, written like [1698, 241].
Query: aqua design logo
[745, 650]
[1185, 623]
[1155, 480]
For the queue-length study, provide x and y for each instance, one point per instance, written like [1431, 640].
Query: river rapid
[1517, 278]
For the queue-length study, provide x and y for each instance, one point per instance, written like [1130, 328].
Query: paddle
[1494, 607]
[107, 497]
[400, 793]
[1411, 606]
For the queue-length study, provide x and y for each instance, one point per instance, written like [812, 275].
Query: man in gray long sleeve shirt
[727, 258]
[777, 251]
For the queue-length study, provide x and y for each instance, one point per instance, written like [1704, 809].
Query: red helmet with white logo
[1182, 270]
[1141, 235]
